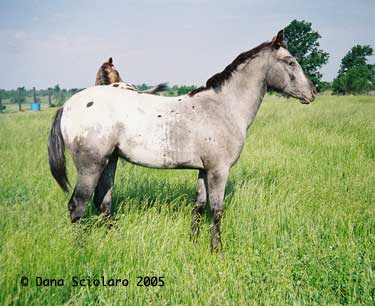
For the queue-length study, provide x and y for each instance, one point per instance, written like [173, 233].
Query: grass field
[298, 225]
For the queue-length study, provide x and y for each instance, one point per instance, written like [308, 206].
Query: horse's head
[286, 75]
[107, 74]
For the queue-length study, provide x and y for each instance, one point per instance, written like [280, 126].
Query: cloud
[182, 41]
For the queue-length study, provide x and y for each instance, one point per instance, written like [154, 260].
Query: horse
[204, 130]
[109, 75]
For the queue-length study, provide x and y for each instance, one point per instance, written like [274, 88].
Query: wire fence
[21, 102]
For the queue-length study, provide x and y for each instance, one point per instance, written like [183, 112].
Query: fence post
[49, 98]
[1, 106]
[34, 94]
[19, 98]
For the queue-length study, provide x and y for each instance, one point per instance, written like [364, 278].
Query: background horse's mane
[102, 76]
[219, 78]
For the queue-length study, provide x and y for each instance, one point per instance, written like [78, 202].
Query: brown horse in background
[109, 75]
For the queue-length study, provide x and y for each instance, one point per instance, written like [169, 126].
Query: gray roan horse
[204, 130]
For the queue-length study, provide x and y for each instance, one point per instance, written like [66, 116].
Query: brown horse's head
[107, 74]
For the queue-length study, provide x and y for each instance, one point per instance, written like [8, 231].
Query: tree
[355, 75]
[356, 57]
[143, 87]
[183, 90]
[56, 89]
[303, 44]
[325, 85]
[21, 91]
[59, 95]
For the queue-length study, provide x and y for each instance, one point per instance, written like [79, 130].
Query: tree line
[60, 95]
[355, 75]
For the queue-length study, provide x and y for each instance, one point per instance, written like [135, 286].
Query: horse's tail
[155, 89]
[56, 154]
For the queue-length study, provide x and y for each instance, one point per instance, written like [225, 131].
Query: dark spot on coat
[193, 107]
[179, 99]
[90, 104]
[172, 111]
[115, 85]
[159, 116]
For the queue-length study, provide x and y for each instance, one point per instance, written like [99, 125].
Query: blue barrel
[35, 107]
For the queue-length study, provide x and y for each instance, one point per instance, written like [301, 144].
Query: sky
[44, 43]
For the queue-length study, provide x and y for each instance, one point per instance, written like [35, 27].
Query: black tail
[56, 156]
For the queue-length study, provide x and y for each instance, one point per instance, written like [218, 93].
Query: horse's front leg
[200, 203]
[216, 181]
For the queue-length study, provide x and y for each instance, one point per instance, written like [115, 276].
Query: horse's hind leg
[88, 177]
[103, 191]
[200, 203]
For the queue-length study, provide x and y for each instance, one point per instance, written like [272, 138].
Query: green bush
[357, 80]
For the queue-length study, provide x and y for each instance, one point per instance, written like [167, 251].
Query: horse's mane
[219, 78]
[102, 77]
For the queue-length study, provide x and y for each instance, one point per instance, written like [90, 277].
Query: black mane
[218, 79]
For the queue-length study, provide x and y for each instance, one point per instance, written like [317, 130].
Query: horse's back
[106, 98]
[145, 128]
[104, 106]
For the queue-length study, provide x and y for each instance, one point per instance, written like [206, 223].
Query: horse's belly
[158, 151]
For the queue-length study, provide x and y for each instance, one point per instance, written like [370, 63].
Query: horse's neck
[242, 95]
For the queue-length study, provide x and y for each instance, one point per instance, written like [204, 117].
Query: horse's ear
[110, 61]
[278, 40]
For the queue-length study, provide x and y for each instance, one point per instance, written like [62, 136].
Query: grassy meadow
[298, 225]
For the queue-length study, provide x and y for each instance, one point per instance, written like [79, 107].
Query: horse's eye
[291, 63]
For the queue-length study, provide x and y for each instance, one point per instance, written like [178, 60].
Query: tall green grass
[298, 226]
